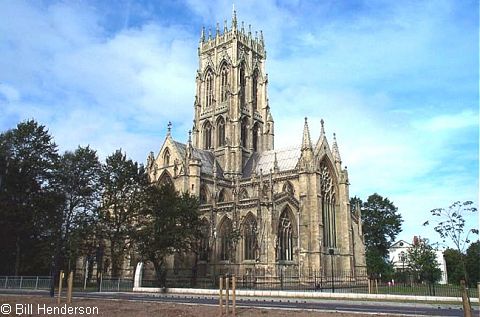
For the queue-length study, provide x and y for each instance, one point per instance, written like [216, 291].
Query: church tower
[232, 116]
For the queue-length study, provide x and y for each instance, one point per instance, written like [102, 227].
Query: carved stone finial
[234, 18]
[169, 127]
[202, 35]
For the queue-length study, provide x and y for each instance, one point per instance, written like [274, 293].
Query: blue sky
[396, 80]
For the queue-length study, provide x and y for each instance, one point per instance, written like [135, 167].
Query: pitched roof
[287, 159]
[206, 157]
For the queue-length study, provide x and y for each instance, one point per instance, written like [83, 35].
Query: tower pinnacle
[306, 142]
[336, 152]
[234, 18]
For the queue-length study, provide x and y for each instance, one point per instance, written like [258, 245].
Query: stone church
[263, 209]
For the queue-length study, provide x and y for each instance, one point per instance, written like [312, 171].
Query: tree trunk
[160, 273]
[115, 258]
[17, 256]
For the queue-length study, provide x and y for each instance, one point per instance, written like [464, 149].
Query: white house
[398, 257]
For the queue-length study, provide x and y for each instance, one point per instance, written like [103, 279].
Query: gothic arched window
[327, 190]
[166, 157]
[243, 83]
[250, 237]
[203, 195]
[243, 132]
[254, 89]
[207, 136]
[204, 235]
[165, 179]
[225, 237]
[209, 88]
[221, 132]
[255, 137]
[221, 196]
[285, 236]
[224, 80]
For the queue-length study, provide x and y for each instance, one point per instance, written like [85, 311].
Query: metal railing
[25, 282]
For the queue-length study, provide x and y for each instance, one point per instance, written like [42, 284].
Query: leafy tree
[169, 224]
[78, 181]
[450, 225]
[377, 264]
[28, 203]
[123, 182]
[381, 223]
[422, 261]
[455, 269]
[472, 263]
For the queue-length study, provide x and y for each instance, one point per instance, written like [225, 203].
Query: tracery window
[254, 89]
[224, 82]
[204, 235]
[209, 89]
[327, 188]
[225, 237]
[221, 132]
[250, 237]
[285, 236]
[255, 137]
[207, 135]
[165, 179]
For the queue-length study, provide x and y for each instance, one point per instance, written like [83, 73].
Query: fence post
[118, 285]
[220, 288]
[6, 281]
[60, 287]
[234, 287]
[70, 288]
[227, 299]
[36, 283]
[101, 282]
[21, 281]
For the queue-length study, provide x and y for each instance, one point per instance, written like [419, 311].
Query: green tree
[422, 262]
[28, 203]
[472, 263]
[450, 222]
[381, 223]
[169, 224]
[455, 269]
[78, 181]
[123, 182]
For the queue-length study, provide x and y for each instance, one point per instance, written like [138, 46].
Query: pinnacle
[306, 141]
[336, 152]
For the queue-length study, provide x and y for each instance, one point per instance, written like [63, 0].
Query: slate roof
[206, 157]
[287, 159]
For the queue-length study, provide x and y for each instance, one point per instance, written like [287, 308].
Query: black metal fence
[344, 282]
[341, 283]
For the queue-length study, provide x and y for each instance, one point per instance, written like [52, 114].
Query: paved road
[405, 309]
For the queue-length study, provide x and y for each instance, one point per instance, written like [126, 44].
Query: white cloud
[444, 122]
[397, 82]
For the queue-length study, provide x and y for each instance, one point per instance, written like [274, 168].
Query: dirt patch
[124, 308]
